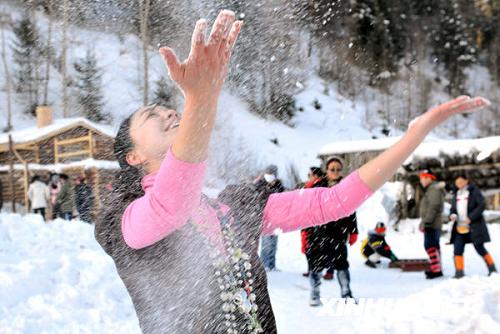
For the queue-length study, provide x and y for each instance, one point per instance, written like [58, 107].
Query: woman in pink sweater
[190, 263]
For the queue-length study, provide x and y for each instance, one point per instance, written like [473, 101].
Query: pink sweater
[173, 196]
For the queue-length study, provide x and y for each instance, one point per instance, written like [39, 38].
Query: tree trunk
[7, 77]
[48, 60]
[11, 173]
[63, 59]
[144, 19]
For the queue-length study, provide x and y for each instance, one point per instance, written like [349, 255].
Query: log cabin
[74, 146]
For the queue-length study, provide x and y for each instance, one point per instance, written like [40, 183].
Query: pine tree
[90, 95]
[27, 57]
[380, 30]
[163, 94]
[453, 45]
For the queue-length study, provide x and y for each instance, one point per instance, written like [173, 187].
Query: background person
[431, 207]
[469, 225]
[375, 246]
[269, 243]
[65, 198]
[39, 196]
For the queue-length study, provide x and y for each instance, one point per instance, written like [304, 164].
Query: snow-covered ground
[54, 278]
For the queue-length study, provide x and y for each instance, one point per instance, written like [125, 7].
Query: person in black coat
[469, 225]
[83, 199]
[318, 242]
[339, 233]
[269, 243]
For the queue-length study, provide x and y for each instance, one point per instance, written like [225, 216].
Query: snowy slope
[242, 142]
[54, 278]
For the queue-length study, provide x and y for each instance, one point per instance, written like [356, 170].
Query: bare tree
[4, 21]
[64, 46]
[48, 53]
[144, 20]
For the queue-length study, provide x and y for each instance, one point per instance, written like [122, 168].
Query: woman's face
[461, 183]
[153, 130]
[333, 170]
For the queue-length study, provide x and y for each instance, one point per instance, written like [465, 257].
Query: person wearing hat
[469, 226]
[431, 207]
[269, 243]
[374, 246]
[339, 233]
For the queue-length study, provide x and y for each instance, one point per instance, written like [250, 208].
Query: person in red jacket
[316, 178]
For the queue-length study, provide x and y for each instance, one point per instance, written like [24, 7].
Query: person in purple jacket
[189, 263]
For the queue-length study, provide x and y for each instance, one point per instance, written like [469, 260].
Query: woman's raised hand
[462, 104]
[202, 74]
[379, 170]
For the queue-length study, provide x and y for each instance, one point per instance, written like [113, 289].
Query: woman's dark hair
[317, 171]
[127, 183]
[463, 175]
[126, 187]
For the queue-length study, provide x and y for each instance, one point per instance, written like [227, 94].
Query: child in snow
[191, 264]
[374, 246]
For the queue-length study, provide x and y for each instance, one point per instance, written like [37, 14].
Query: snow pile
[55, 278]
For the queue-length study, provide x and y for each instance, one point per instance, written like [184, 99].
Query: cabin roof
[431, 148]
[34, 134]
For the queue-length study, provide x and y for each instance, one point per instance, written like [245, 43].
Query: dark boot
[459, 274]
[315, 280]
[490, 264]
[433, 274]
[370, 264]
[491, 269]
[344, 279]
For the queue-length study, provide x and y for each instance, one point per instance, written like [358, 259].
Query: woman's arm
[166, 207]
[379, 170]
[294, 210]
[177, 186]
[200, 77]
[298, 209]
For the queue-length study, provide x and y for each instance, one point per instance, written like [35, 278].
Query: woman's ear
[134, 159]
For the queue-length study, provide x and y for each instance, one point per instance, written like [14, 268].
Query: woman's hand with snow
[461, 105]
[202, 74]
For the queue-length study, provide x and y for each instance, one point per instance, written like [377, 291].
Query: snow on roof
[430, 148]
[86, 164]
[34, 132]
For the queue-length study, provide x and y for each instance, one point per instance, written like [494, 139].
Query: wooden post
[26, 186]
[91, 145]
[56, 153]
[11, 172]
[97, 190]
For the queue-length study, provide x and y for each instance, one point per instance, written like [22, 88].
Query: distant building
[445, 158]
[74, 146]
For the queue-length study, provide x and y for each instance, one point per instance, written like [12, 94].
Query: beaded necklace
[233, 273]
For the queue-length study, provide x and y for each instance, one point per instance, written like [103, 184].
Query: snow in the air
[55, 278]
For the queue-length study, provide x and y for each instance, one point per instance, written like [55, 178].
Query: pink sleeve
[294, 210]
[167, 206]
